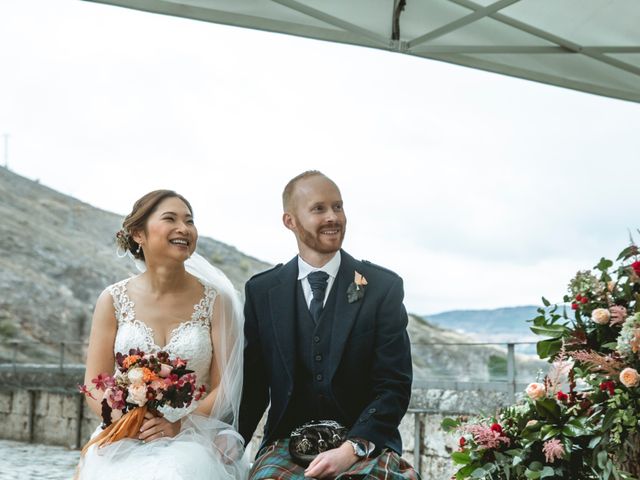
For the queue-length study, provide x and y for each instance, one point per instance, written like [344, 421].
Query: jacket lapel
[282, 301]
[345, 312]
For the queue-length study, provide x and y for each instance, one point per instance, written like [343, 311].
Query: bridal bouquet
[142, 382]
[582, 421]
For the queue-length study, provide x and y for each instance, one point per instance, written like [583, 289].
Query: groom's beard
[314, 240]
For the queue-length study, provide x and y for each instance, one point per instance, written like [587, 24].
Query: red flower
[608, 386]
[574, 306]
[636, 267]
[584, 299]
[462, 442]
[563, 397]
[496, 428]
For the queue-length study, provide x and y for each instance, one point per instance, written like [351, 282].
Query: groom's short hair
[287, 193]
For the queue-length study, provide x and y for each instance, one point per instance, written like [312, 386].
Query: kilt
[274, 461]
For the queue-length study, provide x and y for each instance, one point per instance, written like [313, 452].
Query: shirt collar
[331, 267]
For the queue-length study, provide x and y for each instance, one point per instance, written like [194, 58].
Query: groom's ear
[289, 221]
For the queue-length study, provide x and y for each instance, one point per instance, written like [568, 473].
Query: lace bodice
[191, 340]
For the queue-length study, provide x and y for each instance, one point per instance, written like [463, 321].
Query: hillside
[57, 255]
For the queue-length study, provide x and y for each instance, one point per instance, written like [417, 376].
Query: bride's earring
[139, 248]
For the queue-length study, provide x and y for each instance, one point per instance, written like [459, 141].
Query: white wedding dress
[194, 453]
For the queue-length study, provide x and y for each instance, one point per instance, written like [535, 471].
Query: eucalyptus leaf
[548, 348]
[449, 424]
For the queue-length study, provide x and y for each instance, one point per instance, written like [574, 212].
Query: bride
[182, 305]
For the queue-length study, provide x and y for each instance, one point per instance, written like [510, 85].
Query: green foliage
[578, 434]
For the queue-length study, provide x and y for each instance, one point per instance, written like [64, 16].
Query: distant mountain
[508, 321]
[507, 324]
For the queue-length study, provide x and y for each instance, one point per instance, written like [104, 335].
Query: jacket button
[372, 410]
[316, 339]
[318, 358]
[319, 377]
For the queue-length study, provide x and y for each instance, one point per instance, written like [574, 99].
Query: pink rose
[629, 377]
[137, 394]
[536, 391]
[165, 370]
[115, 398]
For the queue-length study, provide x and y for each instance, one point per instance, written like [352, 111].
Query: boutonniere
[356, 289]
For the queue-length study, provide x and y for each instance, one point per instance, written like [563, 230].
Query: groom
[325, 339]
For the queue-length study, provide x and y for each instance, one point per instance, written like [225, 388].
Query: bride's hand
[156, 427]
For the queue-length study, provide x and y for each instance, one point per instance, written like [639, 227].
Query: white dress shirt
[330, 268]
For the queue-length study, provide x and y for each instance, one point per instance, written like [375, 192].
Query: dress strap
[203, 310]
[121, 303]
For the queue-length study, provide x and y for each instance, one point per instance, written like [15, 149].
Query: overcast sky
[480, 190]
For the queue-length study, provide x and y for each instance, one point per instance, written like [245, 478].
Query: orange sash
[127, 426]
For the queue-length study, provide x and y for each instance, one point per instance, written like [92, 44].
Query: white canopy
[587, 45]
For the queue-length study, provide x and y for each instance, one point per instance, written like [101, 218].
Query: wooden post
[80, 410]
[31, 415]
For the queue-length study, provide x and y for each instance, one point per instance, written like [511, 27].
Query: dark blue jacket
[369, 365]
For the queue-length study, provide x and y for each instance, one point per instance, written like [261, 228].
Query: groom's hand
[332, 463]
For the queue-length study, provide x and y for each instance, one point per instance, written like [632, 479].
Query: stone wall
[44, 407]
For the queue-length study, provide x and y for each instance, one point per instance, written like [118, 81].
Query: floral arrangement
[582, 421]
[142, 382]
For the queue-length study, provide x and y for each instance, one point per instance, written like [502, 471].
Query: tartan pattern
[274, 462]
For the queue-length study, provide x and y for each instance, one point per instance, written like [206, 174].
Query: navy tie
[318, 282]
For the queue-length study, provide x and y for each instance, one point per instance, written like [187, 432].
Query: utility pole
[6, 151]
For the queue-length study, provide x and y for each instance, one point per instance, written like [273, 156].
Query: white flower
[536, 391]
[601, 316]
[137, 394]
[136, 375]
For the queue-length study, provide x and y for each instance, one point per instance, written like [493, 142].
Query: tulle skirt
[201, 451]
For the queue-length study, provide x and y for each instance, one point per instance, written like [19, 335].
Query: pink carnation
[553, 450]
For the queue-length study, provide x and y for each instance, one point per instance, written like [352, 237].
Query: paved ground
[24, 461]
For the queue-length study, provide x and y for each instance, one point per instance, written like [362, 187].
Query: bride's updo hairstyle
[137, 219]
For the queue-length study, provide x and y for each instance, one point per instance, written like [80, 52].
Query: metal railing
[60, 363]
[509, 384]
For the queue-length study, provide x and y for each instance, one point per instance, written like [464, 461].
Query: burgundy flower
[574, 306]
[608, 386]
[462, 442]
[584, 300]
[496, 428]
[563, 397]
[636, 267]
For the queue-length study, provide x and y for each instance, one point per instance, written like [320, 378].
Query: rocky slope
[57, 255]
